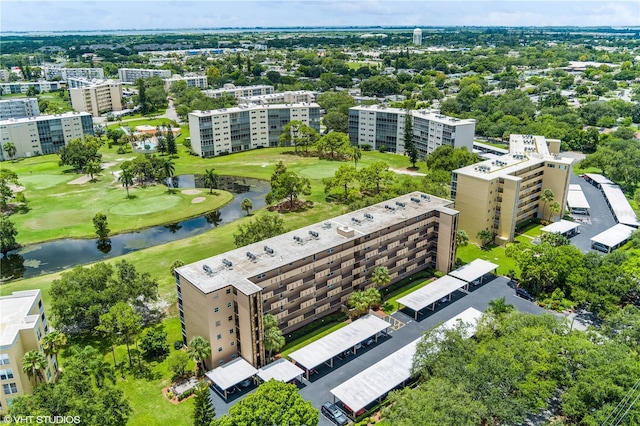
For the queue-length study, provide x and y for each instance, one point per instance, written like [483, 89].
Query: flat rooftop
[433, 115]
[231, 373]
[474, 270]
[613, 236]
[598, 178]
[620, 205]
[212, 274]
[43, 118]
[250, 107]
[576, 198]
[431, 293]
[15, 314]
[282, 370]
[562, 227]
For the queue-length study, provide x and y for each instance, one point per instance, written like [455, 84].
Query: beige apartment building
[97, 98]
[303, 275]
[500, 194]
[23, 323]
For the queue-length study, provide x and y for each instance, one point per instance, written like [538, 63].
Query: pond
[52, 256]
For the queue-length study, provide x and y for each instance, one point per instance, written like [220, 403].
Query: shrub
[154, 343]
[177, 345]
[366, 147]
[186, 394]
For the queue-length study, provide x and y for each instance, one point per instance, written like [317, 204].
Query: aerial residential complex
[44, 134]
[23, 324]
[238, 92]
[246, 126]
[19, 108]
[379, 126]
[498, 195]
[96, 97]
[66, 73]
[130, 75]
[23, 87]
[199, 81]
[306, 274]
[289, 97]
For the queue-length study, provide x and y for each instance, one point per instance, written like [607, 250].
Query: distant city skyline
[52, 15]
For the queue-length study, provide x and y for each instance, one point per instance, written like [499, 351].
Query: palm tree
[485, 237]
[554, 207]
[53, 342]
[33, 363]
[10, 149]
[126, 177]
[500, 306]
[359, 302]
[546, 196]
[92, 167]
[199, 350]
[380, 276]
[246, 205]
[169, 169]
[356, 154]
[210, 179]
[462, 239]
[101, 371]
[273, 340]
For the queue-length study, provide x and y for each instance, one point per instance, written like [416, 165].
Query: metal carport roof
[613, 236]
[562, 226]
[474, 270]
[282, 370]
[231, 373]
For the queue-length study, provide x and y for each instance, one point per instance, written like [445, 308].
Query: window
[219, 336]
[217, 323]
[330, 250]
[4, 359]
[231, 331]
[220, 349]
[216, 309]
[39, 334]
[229, 305]
[6, 374]
[230, 317]
[261, 276]
[228, 291]
[10, 388]
[232, 344]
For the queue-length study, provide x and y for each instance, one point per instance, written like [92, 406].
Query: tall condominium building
[23, 87]
[246, 126]
[239, 92]
[417, 37]
[4, 74]
[44, 134]
[19, 108]
[23, 324]
[499, 195]
[198, 81]
[130, 75]
[303, 275]
[96, 97]
[378, 126]
[289, 97]
[66, 73]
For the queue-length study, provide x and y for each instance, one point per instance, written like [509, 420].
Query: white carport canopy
[230, 374]
[431, 293]
[613, 237]
[563, 227]
[339, 341]
[474, 270]
[387, 374]
[577, 200]
[282, 370]
[620, 206]
[599, 179]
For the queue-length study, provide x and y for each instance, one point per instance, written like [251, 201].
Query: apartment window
[228, 291]
[217, 323]
[216, 309]
[10, 388]
[220, 349]
[232, 344]
[330, 250]
[261, 276]
[231, 331]
[229, 304]
[39, 334]
[219, 336]
[6, 374]
[4, 359]
[230, 317]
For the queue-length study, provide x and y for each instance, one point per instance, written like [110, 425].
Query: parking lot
[317, 388]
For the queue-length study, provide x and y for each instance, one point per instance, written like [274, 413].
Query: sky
[54, 15]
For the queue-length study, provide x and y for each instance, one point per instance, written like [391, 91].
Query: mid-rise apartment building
[246, 126]
[303, 275]
[130, 75]
[197, 81]
[23, 324]
[19, 108]
[378, 126]
[4, 74]
[44, 134]
[239, 92]
[23, 87]
[66, 73]
[289, 97]
[96, 97]
[499, 195]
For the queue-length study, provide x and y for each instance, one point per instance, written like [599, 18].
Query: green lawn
[391, 302]
[493, 254]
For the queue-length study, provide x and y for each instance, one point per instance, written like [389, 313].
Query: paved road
[317, 390]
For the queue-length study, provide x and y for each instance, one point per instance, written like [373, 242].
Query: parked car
[333, 413]
[245, 383]
[524, 294]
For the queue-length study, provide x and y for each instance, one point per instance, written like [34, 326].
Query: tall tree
[101, 225]
[122, 321]
[261, 228]
[462, 239]
[342, 180]
[246, 205]
[547, 196]
[172, 148]
[203, 410]
[288, 185]
[380, 276]
[375, 176]
[92, 168]
[199, 350]
[485, 236]
[8, 234]
[168, 169]
[53, 342]
[142, 96]
[273, 340]
[356, 156]
[273, 403]
[409, 146]
[210, 179]
[334, 143]
[33, 365]
[554, 207]
[126, 177]
[10, 149]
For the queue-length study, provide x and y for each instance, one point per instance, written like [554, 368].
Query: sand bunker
[81, 180]
[191, 191]
[198, 200]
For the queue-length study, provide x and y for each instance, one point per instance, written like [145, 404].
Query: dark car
[524, 294]
[334, 414]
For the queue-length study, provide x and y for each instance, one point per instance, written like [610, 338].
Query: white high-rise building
[417, 37]
[239, 92]
[19, 108]
[130, 75]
